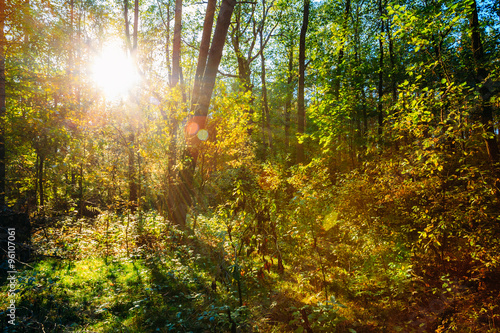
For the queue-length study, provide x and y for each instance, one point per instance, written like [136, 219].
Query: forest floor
[127, 273]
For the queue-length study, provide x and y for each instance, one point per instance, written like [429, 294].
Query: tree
[184, 188]
[301, 114]
[2, 104]
[289, 96]
[204, 48]
[487, 90]
[176, 45]
[244, 35]
[340, 65]
[283, 76]
[266, 117]
[131, 144]
[381, 70]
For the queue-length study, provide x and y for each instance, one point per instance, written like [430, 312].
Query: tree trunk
[2, 105]
[81, 203]
[289, 96]
[301, 104]
[362, 121]
[393, 64]
[136, 27]
[484, 92]
[176, 46]
[167, 48]
[347, 12]
[167, 41]
[71, 42]
[127, 26]
[204, 47]
[215, 54]
[132, 175]
[177, 202]
[266, 124]
[380, 73]
[243, 62]
[41, 163]
[182, 199]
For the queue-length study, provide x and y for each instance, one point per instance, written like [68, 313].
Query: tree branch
[227, 75]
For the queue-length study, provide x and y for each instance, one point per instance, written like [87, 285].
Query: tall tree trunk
[178, 200]
[184, 186]
[71, 42]
[484, 92]
[2, 105]
[136, 27]
[301, 121]
[132, 174]
[41, 162]
[266, 126]
[81, 203]
[364, 112]
[392, 59]
[215, 54]
[167, 41]
[167, 48]
[360, 82]
[127, 25]
[176, 46]
[289, 96]
[204, 47]
[243, 62]
[381, 72]
[347, 12]
[170, 119]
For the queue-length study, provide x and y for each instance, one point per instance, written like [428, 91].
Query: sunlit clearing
[114, 72]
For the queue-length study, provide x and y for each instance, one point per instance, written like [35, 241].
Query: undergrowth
[343, 271]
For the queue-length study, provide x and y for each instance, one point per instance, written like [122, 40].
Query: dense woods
[250, 166]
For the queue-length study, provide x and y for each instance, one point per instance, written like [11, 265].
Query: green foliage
[155, 287]
[322, 317]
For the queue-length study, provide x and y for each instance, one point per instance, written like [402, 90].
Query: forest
[250, 166]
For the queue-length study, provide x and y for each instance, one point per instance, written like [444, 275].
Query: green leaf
[300, 329]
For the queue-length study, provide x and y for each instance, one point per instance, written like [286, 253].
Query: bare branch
[264, 44]
[161, 14]
[189, 45]
[227, 75]
[250, 19]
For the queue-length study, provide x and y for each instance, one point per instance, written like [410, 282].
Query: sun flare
[114, 72]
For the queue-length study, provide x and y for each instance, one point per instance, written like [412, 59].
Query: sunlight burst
[114, 72]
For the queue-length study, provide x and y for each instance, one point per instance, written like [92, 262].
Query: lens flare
[202, 134]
